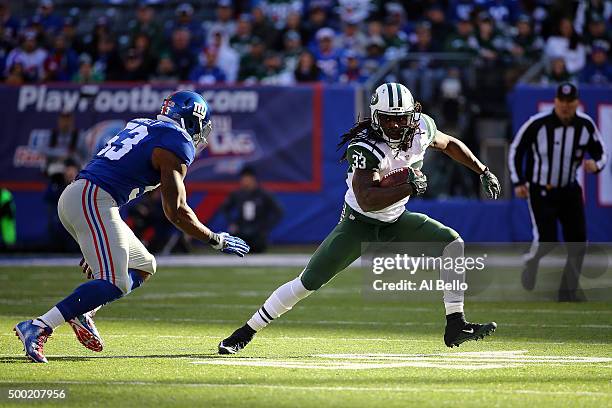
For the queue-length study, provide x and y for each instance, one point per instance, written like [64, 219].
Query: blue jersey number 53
[122, 143]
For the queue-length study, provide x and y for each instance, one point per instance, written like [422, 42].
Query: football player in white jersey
[395, 137]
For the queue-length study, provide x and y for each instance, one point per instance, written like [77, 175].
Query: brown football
[395, 177]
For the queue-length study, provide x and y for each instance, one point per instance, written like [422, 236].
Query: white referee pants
[108, 245]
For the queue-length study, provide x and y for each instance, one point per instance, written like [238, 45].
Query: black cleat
[528, 277]
[459, 331]
[237, 341]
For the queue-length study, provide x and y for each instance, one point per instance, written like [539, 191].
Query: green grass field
[334, 348]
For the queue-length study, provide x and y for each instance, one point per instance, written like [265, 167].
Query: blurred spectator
[9, 23]
[184, 19]
[598, 70]
[354, 11]
[72, 39]
[227, 58]
[30, 56]
[16, 75]
[146, 23]
[375, 29]
[351, 69]
[252, 63]
[142, 46]
[241, 41]
[491, 44]
[165, 72]
[397, 15]
[307, 69]
[525, 46]
[396, 41]
[503, 12]
[224, 22]
[292, 49]
[108, 63]
[59, 238]
[274, 72]
[208, 72]
[566, 43]
[556, 72]
[8, 230]
[421, 41]
[5, 47]
[463, 39]
[62, 62]
[294, 23]
[423, 75]
[589, 10]
[91, 41]
[440, 28]
[277, 11]
[50, 22]
[133, 66]
[86, 73]
[351, 38]
[251, 212]
[328, 57]
[261, 26]
[597, 31]
[317, 19]
[64, 142]
[375, 55]
[460, 10]
[182, 56]
[35, 25]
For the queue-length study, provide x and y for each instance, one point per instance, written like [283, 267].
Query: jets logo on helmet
[374, 99]
[395, 100]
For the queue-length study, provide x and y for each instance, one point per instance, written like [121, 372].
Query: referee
[543, 159]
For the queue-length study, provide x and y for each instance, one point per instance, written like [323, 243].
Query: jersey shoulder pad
[363, 153]
[429, 127]
[175, 141]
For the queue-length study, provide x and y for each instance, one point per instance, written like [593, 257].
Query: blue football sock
[136, 277]
[87, 297]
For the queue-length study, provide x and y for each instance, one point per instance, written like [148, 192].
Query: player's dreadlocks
[362, 128]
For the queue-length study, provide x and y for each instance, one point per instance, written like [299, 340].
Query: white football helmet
[393, 99]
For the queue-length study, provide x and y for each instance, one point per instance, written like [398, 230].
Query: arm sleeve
[364, 155]
[516, 155]
[177, 143]
[596, 148]
[430, 128]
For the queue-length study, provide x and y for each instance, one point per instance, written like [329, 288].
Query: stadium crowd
[289, 41]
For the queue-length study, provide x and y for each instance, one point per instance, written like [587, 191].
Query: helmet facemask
[397, 129]
[200, 139]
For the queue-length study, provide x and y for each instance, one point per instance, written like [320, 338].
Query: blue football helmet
[191, 112]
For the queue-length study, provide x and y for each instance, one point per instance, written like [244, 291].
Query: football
[396, 177]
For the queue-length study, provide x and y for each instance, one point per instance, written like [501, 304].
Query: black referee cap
[567, 91]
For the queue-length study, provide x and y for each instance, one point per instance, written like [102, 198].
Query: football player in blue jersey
[147, 154]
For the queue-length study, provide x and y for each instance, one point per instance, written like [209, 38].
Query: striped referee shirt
[553, 151]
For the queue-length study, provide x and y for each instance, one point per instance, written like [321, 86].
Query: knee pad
[150, 264]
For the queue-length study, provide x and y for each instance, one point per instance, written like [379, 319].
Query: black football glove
[490, 184]
[418, 181]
